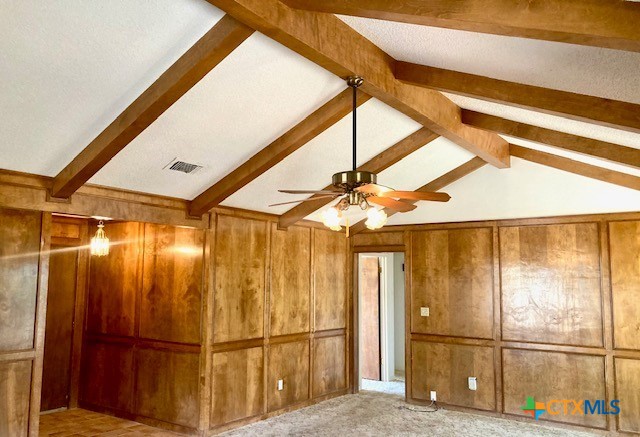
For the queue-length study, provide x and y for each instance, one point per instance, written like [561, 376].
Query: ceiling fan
[356, 187]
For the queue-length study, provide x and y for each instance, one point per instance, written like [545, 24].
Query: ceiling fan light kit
[360, 188]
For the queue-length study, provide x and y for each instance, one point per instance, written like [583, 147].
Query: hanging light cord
[355, 90]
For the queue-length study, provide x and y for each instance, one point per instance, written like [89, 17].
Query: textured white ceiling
[524, 190]
[587, 70]
[68, 68]
[259, 92]
[312, 166]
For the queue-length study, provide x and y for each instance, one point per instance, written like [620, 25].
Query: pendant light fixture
[99, 242]
[332, 216]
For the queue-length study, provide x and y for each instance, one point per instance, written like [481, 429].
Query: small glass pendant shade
[99, 242]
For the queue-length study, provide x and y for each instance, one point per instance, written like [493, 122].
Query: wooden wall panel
[170, 307]
[553, 375]
[628, 392]
[330, 275]
[61, 303]
[551, 284]
[15, 386]
[624, 243]
[329, 366]
[290, 280]
[19, 257]
[289, 362]
[238, 385]
[445, 369]
[167, 386]
[240, 269]
[107, 375]
[452, 274]
[114, 281]
[378, 239]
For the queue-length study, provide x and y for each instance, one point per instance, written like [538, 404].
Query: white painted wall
[398, 311]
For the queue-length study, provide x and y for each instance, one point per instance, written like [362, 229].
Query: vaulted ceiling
[69, 69]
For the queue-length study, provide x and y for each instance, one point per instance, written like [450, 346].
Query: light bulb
[376, 218]
[331, 218]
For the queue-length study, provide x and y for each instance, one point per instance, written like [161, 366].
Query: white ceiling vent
[182, 166]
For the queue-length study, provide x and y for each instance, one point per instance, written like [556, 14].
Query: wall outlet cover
[280, 384]
[473, 383]
[424, 311]
[432, 395]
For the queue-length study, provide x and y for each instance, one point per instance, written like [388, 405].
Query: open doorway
[381, 323]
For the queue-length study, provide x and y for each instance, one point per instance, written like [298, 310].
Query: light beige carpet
[381, 414]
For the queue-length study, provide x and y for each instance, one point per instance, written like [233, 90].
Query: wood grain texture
[331, 43]
[107, 376]
[289, 362]
[240, 270]
[15, 383]
[581, 107]
[299, 135]
[577, 167]
[369, 301]
[551, 284]
[553, 375]
[452, 274]
[378, 239]
[290, 280]
[377, 164]
[624, 244]
[445, 369]
[202, 57]
[171, 299]
[238, 385]
[19, 251]
[329, 365]
[587, 146]
[61, 301]
[114, 281]
[330, 276]
[627, 383]
[587, 22]
[167, 386]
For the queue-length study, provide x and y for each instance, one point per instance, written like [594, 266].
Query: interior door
[370, 318]
[56, 369]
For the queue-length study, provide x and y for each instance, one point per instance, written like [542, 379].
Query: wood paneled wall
[141, 357]
[548, 308]
[279, 310]
[23, 294]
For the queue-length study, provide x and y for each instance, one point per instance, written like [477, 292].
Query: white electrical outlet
[473, 383]
[424, 311]
[280, 384]
[433, 395]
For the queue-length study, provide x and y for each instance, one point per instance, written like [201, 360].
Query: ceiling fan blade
[311, 191]
[333, 196]
[391, 203]
[373, 189]
[417, 195]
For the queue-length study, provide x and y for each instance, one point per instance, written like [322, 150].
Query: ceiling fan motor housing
[349, 180]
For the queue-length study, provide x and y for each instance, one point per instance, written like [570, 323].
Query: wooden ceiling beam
[332, 44]
[574, 143]
[199, 60]
[378, 163]
[598, 23]
[435, 185]
[597, 110]
[319, 121]
[576, 167]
